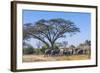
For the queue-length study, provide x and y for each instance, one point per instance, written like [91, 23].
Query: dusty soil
[36, 58]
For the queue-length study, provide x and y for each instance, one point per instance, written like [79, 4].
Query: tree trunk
[52, 45]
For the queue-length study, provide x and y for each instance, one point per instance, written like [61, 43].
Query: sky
[80, 19]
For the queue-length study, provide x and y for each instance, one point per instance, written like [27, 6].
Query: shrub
[38, 51]
[29, 50]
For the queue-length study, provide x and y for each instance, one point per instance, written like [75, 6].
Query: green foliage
[29, 50]
[44, 48]
[38, 51]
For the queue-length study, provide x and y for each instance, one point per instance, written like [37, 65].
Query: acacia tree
[49, 31]
[88, 42]
[65, 43]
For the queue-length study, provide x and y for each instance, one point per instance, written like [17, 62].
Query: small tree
[87, 42]
[65, 43]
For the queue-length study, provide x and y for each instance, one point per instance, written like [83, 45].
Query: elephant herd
[60, 52]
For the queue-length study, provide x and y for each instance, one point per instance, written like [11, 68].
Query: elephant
[47, 52]
[55, 52]
[65, 52]
[80, 51]
[68, 52]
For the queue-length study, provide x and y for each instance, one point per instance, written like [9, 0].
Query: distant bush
[29, 50]
[38, 51]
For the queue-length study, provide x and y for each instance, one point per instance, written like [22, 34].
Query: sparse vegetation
[36, 58]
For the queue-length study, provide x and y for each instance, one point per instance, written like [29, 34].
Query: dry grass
[36, 58]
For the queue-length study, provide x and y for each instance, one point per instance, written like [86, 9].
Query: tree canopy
[48, 31]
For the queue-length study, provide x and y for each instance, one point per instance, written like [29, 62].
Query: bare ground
[36, 58]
